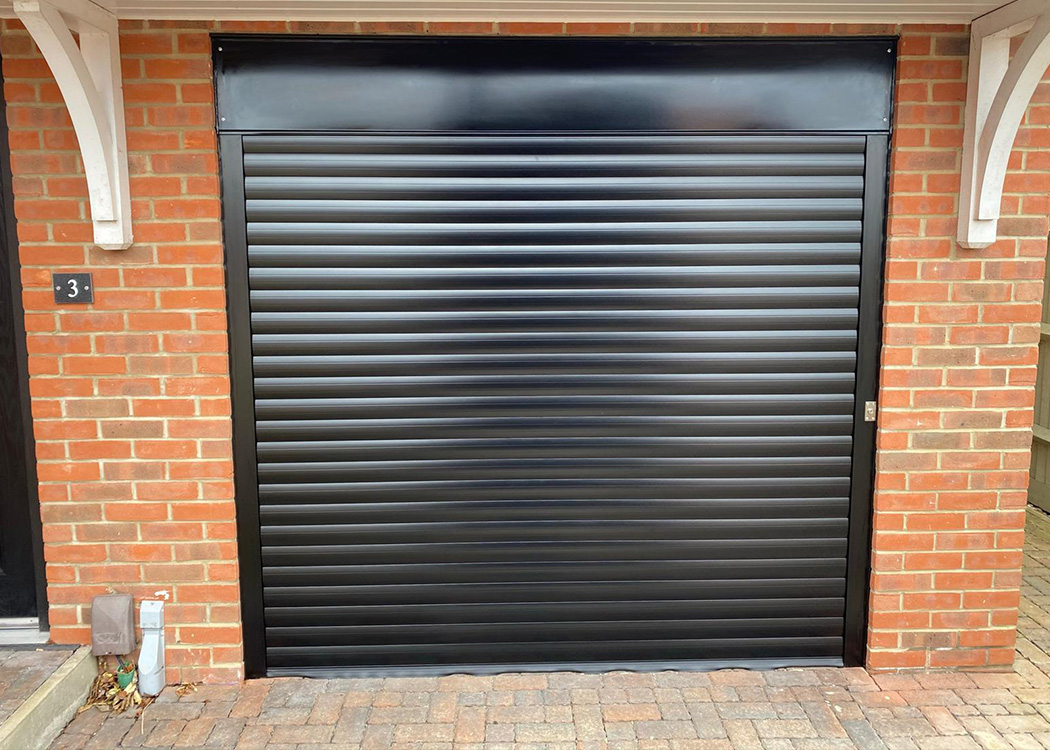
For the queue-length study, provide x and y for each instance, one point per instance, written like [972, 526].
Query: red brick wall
[131, 397]
[958, 370]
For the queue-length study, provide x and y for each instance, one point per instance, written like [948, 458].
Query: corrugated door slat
[553, 399]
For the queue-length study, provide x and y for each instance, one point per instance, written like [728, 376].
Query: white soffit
[815, 11]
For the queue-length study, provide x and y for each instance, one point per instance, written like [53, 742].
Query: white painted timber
[815, 11]
[998, 92]
[89, 78]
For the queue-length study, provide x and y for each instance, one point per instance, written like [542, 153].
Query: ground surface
[798, 709]
[24, 670]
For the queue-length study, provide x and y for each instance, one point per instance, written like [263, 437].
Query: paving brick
[111, 733]
[791, 729]
[942, 720]
[948, 743]
[70, 741]
[470, 725]
[515, 714]
[742, 735]
[664, 730]
[824, 720]
[195, 733]
[1019, 724]
[178, 710]
[424, 733]
[326, 709]
[254, 738]
[545, 733]
[248, 705]
[930, 697]
[895, 727]
[789, 711]
[589, 722]
[636, 712]
[86, 722]
[225, 733]
[1024, 741]
[283, 715]
[555, 697]
[499, 733]
[350, 727]
[675, 712]
[293, 735]
[558, 714]
[378, 737]
[945, 681]
[412, 715]
[621, 733]
[747, 711]
[825, 743]
[864, 735]
[706, 721]
[984, 697]
[443, 707]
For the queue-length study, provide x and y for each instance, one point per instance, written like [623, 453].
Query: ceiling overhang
[745, 11]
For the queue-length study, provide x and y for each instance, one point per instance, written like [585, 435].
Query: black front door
[17, 530]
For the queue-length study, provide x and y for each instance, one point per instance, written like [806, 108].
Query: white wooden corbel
[89, 78]
[997, 95]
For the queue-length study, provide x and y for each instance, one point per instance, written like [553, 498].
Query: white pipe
[152, 676]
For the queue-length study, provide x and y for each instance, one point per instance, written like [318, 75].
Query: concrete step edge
[45, 713]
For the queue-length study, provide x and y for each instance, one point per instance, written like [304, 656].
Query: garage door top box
[571, 84]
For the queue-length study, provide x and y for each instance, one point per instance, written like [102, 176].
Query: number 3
[74, 290]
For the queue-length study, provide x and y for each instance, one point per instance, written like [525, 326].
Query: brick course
[131, 396]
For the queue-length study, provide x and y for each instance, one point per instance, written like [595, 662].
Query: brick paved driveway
[797, 709]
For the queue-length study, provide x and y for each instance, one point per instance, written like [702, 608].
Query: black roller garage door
[541, 397]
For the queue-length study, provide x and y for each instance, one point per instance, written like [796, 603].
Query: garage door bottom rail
[586, 667]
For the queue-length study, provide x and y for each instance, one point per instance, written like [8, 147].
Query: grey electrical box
[112, 624]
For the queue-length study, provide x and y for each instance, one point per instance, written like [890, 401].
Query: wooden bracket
[89, 78]
[997, 95]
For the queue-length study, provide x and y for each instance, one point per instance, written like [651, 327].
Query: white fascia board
[744, 11]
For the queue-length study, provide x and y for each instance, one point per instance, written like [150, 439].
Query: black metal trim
[585, 667]
[869, 332]
[612, 133]
[245, 464]
[428, 83]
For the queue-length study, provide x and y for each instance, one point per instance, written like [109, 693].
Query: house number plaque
[73, 288]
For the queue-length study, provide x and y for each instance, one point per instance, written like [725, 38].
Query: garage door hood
[876, 11]
[427, 83]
